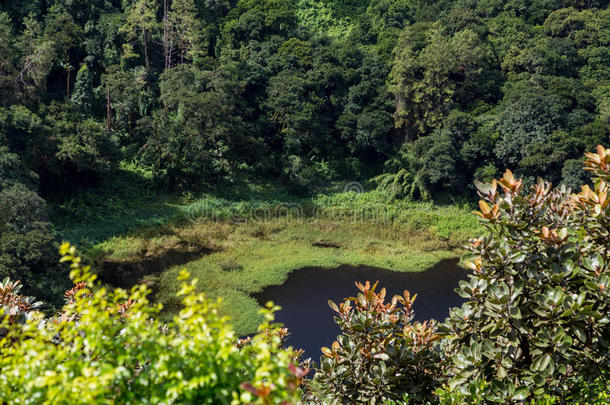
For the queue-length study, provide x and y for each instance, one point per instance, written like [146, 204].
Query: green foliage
[8, 66]
[199, 135]
[127, 200]
[387, 19]
[110, 342]
[22, 209]
[37, 57]
[532, 109]
[14, 307]
[186, 31]
[380, 355]
[203, 92]
[366, 120]
[257, 19]
[141, 25]
[129, 96]
[531, 93]
[83, 97]
[83, 146]
[432, 164]
[310, 175]
[536, 316]
[595, 392]
[398, 185]
[427, 80]
[317, 16]
[22, 129]
[299, 51]
[27, 246]
[12, 171]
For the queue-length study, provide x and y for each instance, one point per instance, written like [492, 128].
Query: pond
[304, 297]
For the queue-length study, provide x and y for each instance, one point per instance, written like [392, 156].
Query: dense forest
[202, 90]
[423, 97]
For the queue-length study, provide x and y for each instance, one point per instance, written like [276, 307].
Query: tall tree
[127, 96]
[425, 80]
[141, 25]
[62, 30]
[8, 55]
[38, 53]
[186, 29]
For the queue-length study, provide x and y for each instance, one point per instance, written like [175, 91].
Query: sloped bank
[127, 273]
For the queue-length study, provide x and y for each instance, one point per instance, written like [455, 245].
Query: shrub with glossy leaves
[380, 355]
[538, 301]
[15, 307]
[107, 347]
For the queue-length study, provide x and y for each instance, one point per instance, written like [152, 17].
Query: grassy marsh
[255, 244]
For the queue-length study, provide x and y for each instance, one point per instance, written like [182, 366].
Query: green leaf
[542, 362]
[518, 258]
[521, 394]
[382, 356]
[515, 312]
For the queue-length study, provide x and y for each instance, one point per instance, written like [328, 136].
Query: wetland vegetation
[249, 248]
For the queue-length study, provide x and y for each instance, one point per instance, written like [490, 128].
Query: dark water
[304, 297]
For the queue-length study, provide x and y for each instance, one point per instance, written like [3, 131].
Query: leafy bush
[396, 185]
[14, 306]
[402, 178]
[84, 149]
[308, 175]
[595, 392]
[538, 302]
[107, 347]
[380, 355]
[12, 170]
[28, 250]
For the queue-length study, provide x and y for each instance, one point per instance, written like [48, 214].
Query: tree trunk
[68, 67]
[166, 36]
[182, 54]
[144, 43]
[107, 109]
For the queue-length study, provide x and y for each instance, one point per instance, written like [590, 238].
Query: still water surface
[304, 297]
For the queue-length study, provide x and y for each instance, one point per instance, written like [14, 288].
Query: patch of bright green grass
[258, 233]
